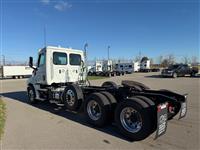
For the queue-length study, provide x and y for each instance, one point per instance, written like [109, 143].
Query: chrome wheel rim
[70, 97]
[31, 95]
[94, 110]
[131, 119]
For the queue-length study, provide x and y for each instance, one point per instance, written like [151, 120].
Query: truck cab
[57, 66]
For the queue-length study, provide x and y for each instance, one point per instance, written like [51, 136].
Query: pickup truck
[179, 70]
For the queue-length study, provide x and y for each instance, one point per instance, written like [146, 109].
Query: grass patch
[96, 77]
[2, 116]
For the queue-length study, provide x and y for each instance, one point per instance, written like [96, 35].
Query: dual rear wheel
[132, 116]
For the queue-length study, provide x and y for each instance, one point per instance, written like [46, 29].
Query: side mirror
[31, 62]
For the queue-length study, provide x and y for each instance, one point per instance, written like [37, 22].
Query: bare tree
[137, 59]
[160, 59]
[186, 60]
[165, 62]
[171, 59]
[194, 60]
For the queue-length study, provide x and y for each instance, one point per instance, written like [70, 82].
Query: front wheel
[133, 119]
[31, 95]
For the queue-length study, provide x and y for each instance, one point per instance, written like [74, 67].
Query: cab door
[74, 68]
[59, 69]
[40, 75]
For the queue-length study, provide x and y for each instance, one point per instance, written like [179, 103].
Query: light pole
[108, 52]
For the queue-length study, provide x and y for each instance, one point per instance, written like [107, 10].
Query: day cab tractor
[60, 77]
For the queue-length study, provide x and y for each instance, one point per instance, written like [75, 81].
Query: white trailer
[124, 67]
[15, 71]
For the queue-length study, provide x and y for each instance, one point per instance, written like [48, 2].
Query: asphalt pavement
[47, 126]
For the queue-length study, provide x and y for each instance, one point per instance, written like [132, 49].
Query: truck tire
[73, 97]
[113, 104]
[152, 109]
[110, 84]
[110, 97]
[97, 109]
[31, 95]
[146, 100]
[133, 119]
[134, 83]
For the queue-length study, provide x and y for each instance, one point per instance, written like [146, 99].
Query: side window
[75, 59]
[59, 58]
[41, 60]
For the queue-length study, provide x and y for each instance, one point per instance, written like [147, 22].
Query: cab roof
[62, 49]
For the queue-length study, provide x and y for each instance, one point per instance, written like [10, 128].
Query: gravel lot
[46, 126]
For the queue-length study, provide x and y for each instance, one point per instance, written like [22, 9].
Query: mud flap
[162, 111]
[183, 110]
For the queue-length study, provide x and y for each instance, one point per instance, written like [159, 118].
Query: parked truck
[60, 77]
[15, 71]
[97, 69]
[145, 66]
[106, 68]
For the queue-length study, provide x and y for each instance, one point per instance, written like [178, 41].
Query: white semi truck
[60, 77]
[96, 69]
[145, 66]
[15, 71]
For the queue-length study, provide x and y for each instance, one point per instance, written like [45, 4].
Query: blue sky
[153, 27]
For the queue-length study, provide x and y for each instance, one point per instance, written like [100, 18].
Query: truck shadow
[61, 111]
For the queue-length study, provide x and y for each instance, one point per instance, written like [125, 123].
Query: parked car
[178, 70]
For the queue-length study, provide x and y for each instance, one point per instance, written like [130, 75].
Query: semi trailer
[15, 71]
[60, 77]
